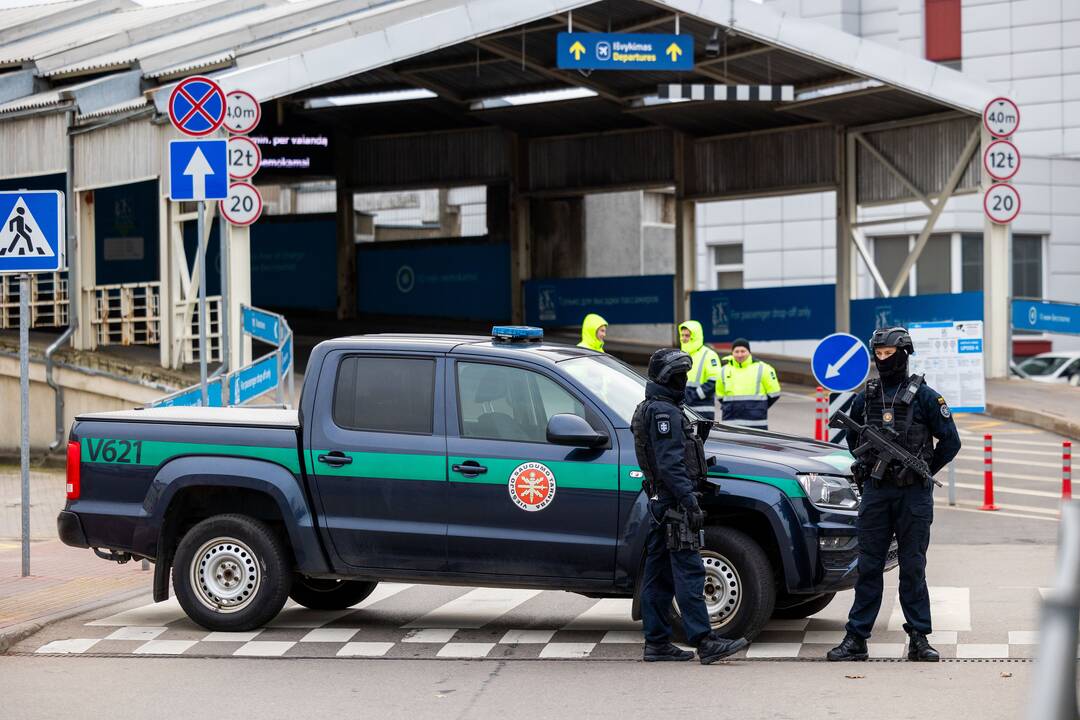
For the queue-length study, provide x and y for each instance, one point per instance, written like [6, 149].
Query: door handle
[335, 459]
[469, 468]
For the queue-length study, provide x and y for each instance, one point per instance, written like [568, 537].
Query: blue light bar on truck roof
[516, 333]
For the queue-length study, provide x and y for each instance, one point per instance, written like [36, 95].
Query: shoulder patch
[940, 400]
[945, 411]
[713, 362]
[663, 425]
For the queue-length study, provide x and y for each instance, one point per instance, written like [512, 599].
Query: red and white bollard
[821, 428]
[1066, 470]
[988, 474]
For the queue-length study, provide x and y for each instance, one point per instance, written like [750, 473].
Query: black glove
[695, 516]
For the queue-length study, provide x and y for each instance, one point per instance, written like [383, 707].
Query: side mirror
[566, 429]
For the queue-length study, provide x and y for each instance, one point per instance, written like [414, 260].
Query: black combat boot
[666, 652]
[851, 648]
[713, 648]
[920, 649]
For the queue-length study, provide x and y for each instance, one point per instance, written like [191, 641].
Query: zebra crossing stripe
[724, 93]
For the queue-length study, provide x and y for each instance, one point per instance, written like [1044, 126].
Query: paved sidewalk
[1053, 407]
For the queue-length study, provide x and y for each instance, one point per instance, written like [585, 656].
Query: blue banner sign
[1044, 316]
[621, 300]
[254, 380]
[261, 325]
[284, 248]
[192, 397]
[624, 51]
[800, 312]
[467, 280]
[286, 354]
[871, 314]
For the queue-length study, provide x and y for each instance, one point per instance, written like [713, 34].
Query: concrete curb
[1045, 421]
[13, 635]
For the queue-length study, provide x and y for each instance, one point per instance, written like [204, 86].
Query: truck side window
[384, 394]
[497, 402]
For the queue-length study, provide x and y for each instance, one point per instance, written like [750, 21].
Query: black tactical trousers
[907, 513]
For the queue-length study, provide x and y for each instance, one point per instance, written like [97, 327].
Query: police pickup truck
[492, 461]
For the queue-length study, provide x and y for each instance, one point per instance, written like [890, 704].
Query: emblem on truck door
[532, 486]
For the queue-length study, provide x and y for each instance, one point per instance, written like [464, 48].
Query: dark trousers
[671, 574]
[906, 512]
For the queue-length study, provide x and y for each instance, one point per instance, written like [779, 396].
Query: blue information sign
[261, 325]
[286, 355]
[1044, 316]
[840, 362]
[801, 312]
[631, 299]
[198, 169]
[624, 51]
[193, 397]
[32, 234]
[254, 380]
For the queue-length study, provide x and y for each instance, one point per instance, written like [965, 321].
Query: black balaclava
[893, 369]
[678, 382]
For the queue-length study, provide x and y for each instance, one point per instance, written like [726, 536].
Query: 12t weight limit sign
[244, 204]
[1001, 160]
[1001, 203]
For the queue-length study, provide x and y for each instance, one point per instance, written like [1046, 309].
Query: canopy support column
[845, 218]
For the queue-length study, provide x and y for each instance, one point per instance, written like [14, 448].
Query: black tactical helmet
[667, 362]
[896, 337]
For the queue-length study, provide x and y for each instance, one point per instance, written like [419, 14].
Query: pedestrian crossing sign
[32, 233]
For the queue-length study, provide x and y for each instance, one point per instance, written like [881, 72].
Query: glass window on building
[889, 256]
[727, 263]
[933, 271]
[1027, 264]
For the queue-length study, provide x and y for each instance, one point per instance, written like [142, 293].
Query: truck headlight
[829, 492]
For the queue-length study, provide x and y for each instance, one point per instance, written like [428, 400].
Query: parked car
[1052, 367]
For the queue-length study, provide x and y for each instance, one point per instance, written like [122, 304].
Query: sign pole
[24, 401]
[202, 303]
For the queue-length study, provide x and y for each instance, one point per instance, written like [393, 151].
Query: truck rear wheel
[231, 573]
[739, 588]
[320, 594]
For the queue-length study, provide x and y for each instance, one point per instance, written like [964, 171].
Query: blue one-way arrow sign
[840, 362]
[198, 169]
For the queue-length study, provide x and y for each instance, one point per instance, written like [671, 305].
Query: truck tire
[319, 594]
[740, 591]
[804, 609]
[231, 573]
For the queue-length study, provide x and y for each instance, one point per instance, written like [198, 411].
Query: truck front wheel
[320, 594]
[740, 591]
[231, 573]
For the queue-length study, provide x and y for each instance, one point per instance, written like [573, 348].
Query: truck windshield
[618, 386]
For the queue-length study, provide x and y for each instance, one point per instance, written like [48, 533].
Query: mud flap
[161, 579]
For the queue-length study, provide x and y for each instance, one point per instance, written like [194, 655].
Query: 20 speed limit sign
[1001, 203]
[1001, 159]
[244, 204]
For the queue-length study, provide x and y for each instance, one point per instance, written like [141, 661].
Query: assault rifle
[882, 445]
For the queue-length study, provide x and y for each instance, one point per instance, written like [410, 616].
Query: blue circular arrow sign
[840, 362]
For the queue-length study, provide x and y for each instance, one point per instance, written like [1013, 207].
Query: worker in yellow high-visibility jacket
[703, 379]
[748, 388]
[593, 332]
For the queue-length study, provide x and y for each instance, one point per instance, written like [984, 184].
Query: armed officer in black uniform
[902, 503]
[672, 458]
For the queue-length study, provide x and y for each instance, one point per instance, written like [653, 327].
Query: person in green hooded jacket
[705, 374]
[593, 332]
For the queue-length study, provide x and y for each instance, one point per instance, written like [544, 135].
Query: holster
[678, 533]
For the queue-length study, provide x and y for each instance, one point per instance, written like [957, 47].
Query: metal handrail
[1054, 687]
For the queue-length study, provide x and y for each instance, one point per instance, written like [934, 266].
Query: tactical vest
[693, 449]
[898, 414]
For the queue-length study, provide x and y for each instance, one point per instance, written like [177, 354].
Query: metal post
[24, 402]
[224, 237]
[292, 368]
[201, 260]
[280, 380]
[952, 484]
[1053, 695]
